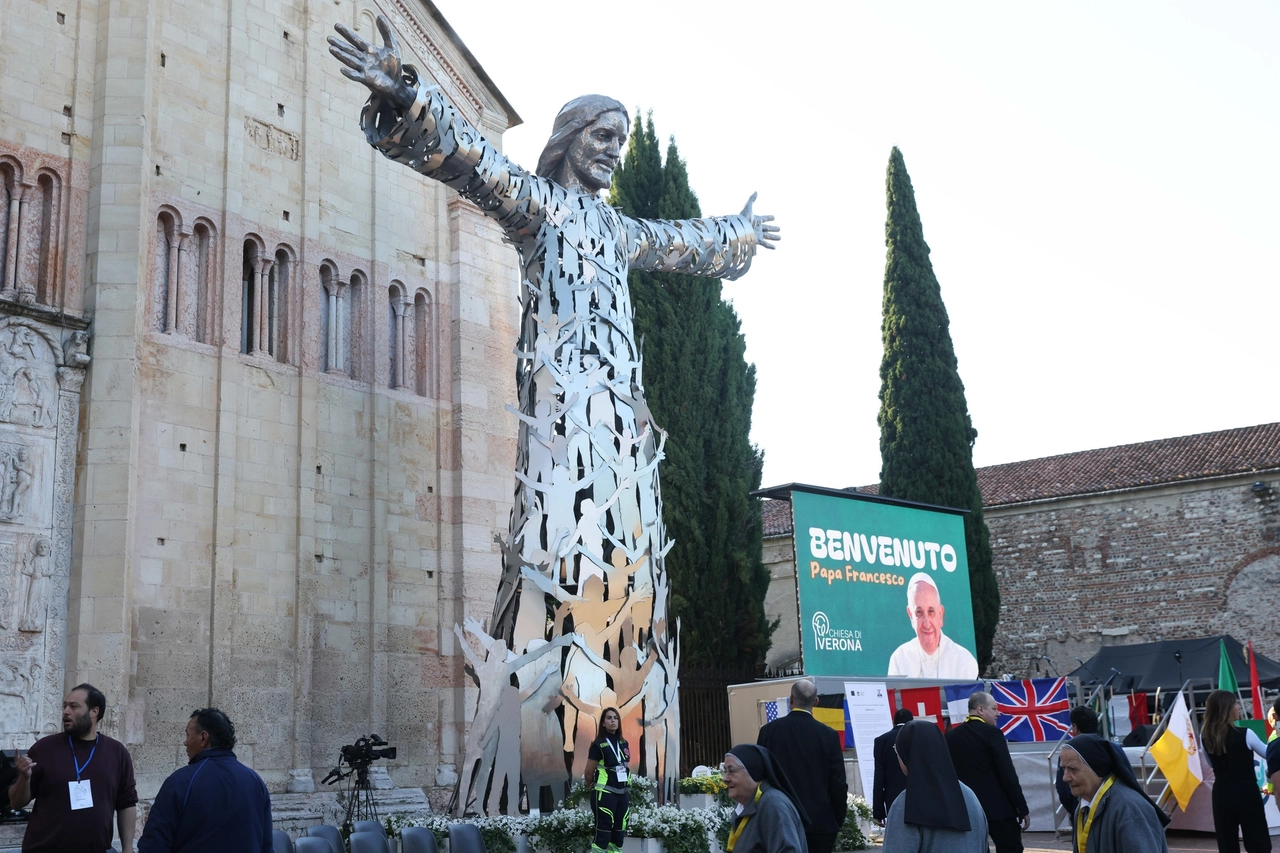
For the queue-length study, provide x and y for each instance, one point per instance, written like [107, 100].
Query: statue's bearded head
[586, 144]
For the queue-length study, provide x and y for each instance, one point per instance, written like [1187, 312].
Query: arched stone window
[421, 348]
[280, 335]
[399, 348]
[164, 299]
[253, 273]
[10, 199]
[329, 287]
[352, 335]
[198, 313]
[49, 216]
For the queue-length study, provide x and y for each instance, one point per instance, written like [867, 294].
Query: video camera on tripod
[358, 756]
[359, 795]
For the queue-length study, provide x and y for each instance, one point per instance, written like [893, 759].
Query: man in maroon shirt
[79, 779]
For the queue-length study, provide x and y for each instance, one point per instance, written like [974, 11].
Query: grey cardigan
[774, 827]
[903, 837]
[1126, 823]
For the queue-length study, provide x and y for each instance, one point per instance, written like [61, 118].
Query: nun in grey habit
[1114, 815]
[937, 813]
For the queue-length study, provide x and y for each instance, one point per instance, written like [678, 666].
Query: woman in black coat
[1237, 802]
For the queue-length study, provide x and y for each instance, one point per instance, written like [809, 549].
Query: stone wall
[1183, 560]
[292, 454]
[779, 555]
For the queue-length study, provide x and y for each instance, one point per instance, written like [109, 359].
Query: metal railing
[1149, 777]
[1154, 776]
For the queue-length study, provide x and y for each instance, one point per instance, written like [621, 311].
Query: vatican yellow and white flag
[1177, 753]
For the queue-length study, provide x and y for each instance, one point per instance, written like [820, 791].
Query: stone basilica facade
[253, 446]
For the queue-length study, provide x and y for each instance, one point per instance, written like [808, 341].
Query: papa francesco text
[856, 547]
[832, 575]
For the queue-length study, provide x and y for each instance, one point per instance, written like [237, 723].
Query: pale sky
[1099, 184]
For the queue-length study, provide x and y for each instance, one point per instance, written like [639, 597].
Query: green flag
[1226, 675]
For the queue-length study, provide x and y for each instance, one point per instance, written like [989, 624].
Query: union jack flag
[1031, 708]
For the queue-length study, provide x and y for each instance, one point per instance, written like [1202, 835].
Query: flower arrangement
[851, 836]
[499, 832]
[570, 829]
[712, 783]
[641, 788]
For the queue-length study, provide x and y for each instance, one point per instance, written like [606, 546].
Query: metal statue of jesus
[580, 623]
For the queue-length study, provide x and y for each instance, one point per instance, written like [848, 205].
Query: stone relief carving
[274, 139]
[75, 352]
[17, 472]
[26, 378]
[12, 596]
[42, 368]
[35, 574]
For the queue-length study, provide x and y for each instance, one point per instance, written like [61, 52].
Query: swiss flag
[924, 702]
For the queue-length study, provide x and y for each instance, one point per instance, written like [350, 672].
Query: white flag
[1119, 708]
[1177, 753]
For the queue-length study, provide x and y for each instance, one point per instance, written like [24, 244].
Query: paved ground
[1179, 842]
[1043, 842]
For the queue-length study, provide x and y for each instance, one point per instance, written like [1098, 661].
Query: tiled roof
[1149, 463]
[1090, 472]
[777, 518]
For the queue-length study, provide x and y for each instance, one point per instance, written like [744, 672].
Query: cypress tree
[700, 389]
[926, 435]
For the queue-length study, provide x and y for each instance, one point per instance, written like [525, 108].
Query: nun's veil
[1102, 759]
[572, 118]
[759, 764]
[933, 795]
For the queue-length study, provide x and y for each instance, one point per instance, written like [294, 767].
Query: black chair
[330, 834]
[465, 838]
[314, 844]
[368, 842]
[417, 839]
[281, 842]
[369, 826]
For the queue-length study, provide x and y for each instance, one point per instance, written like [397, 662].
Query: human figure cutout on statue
[497, 711]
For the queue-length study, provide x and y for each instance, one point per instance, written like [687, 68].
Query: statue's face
[594, 155]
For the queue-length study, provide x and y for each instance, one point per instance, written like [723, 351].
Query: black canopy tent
[1144, 667]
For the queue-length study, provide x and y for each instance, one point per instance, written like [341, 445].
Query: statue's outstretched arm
[413, 123]
[718, 247]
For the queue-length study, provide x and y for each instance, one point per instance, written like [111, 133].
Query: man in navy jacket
[215, 803]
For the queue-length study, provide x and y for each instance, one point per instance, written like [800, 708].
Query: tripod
[360, 802]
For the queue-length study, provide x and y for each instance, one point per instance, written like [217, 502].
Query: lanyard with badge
[81, 795]
[1083, 826]
[620, 769]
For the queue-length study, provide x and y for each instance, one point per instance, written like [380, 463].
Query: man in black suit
[981, 757]
[889, 780]
[809, 753]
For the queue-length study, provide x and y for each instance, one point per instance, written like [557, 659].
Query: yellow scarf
[742, 824]
[1083, 827]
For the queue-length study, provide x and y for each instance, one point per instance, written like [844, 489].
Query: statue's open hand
[766, 235]
[376, 67]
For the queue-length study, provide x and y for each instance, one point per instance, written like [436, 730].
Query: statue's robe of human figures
[587, 495]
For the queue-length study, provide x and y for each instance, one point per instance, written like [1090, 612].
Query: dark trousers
[1240, 810]
[611, 818]
[821, 842]
[1007, 834]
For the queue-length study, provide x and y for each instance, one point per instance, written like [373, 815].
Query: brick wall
[1184, 560]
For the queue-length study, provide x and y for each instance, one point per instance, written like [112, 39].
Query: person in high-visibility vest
[607, 777]
[1273, 749]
